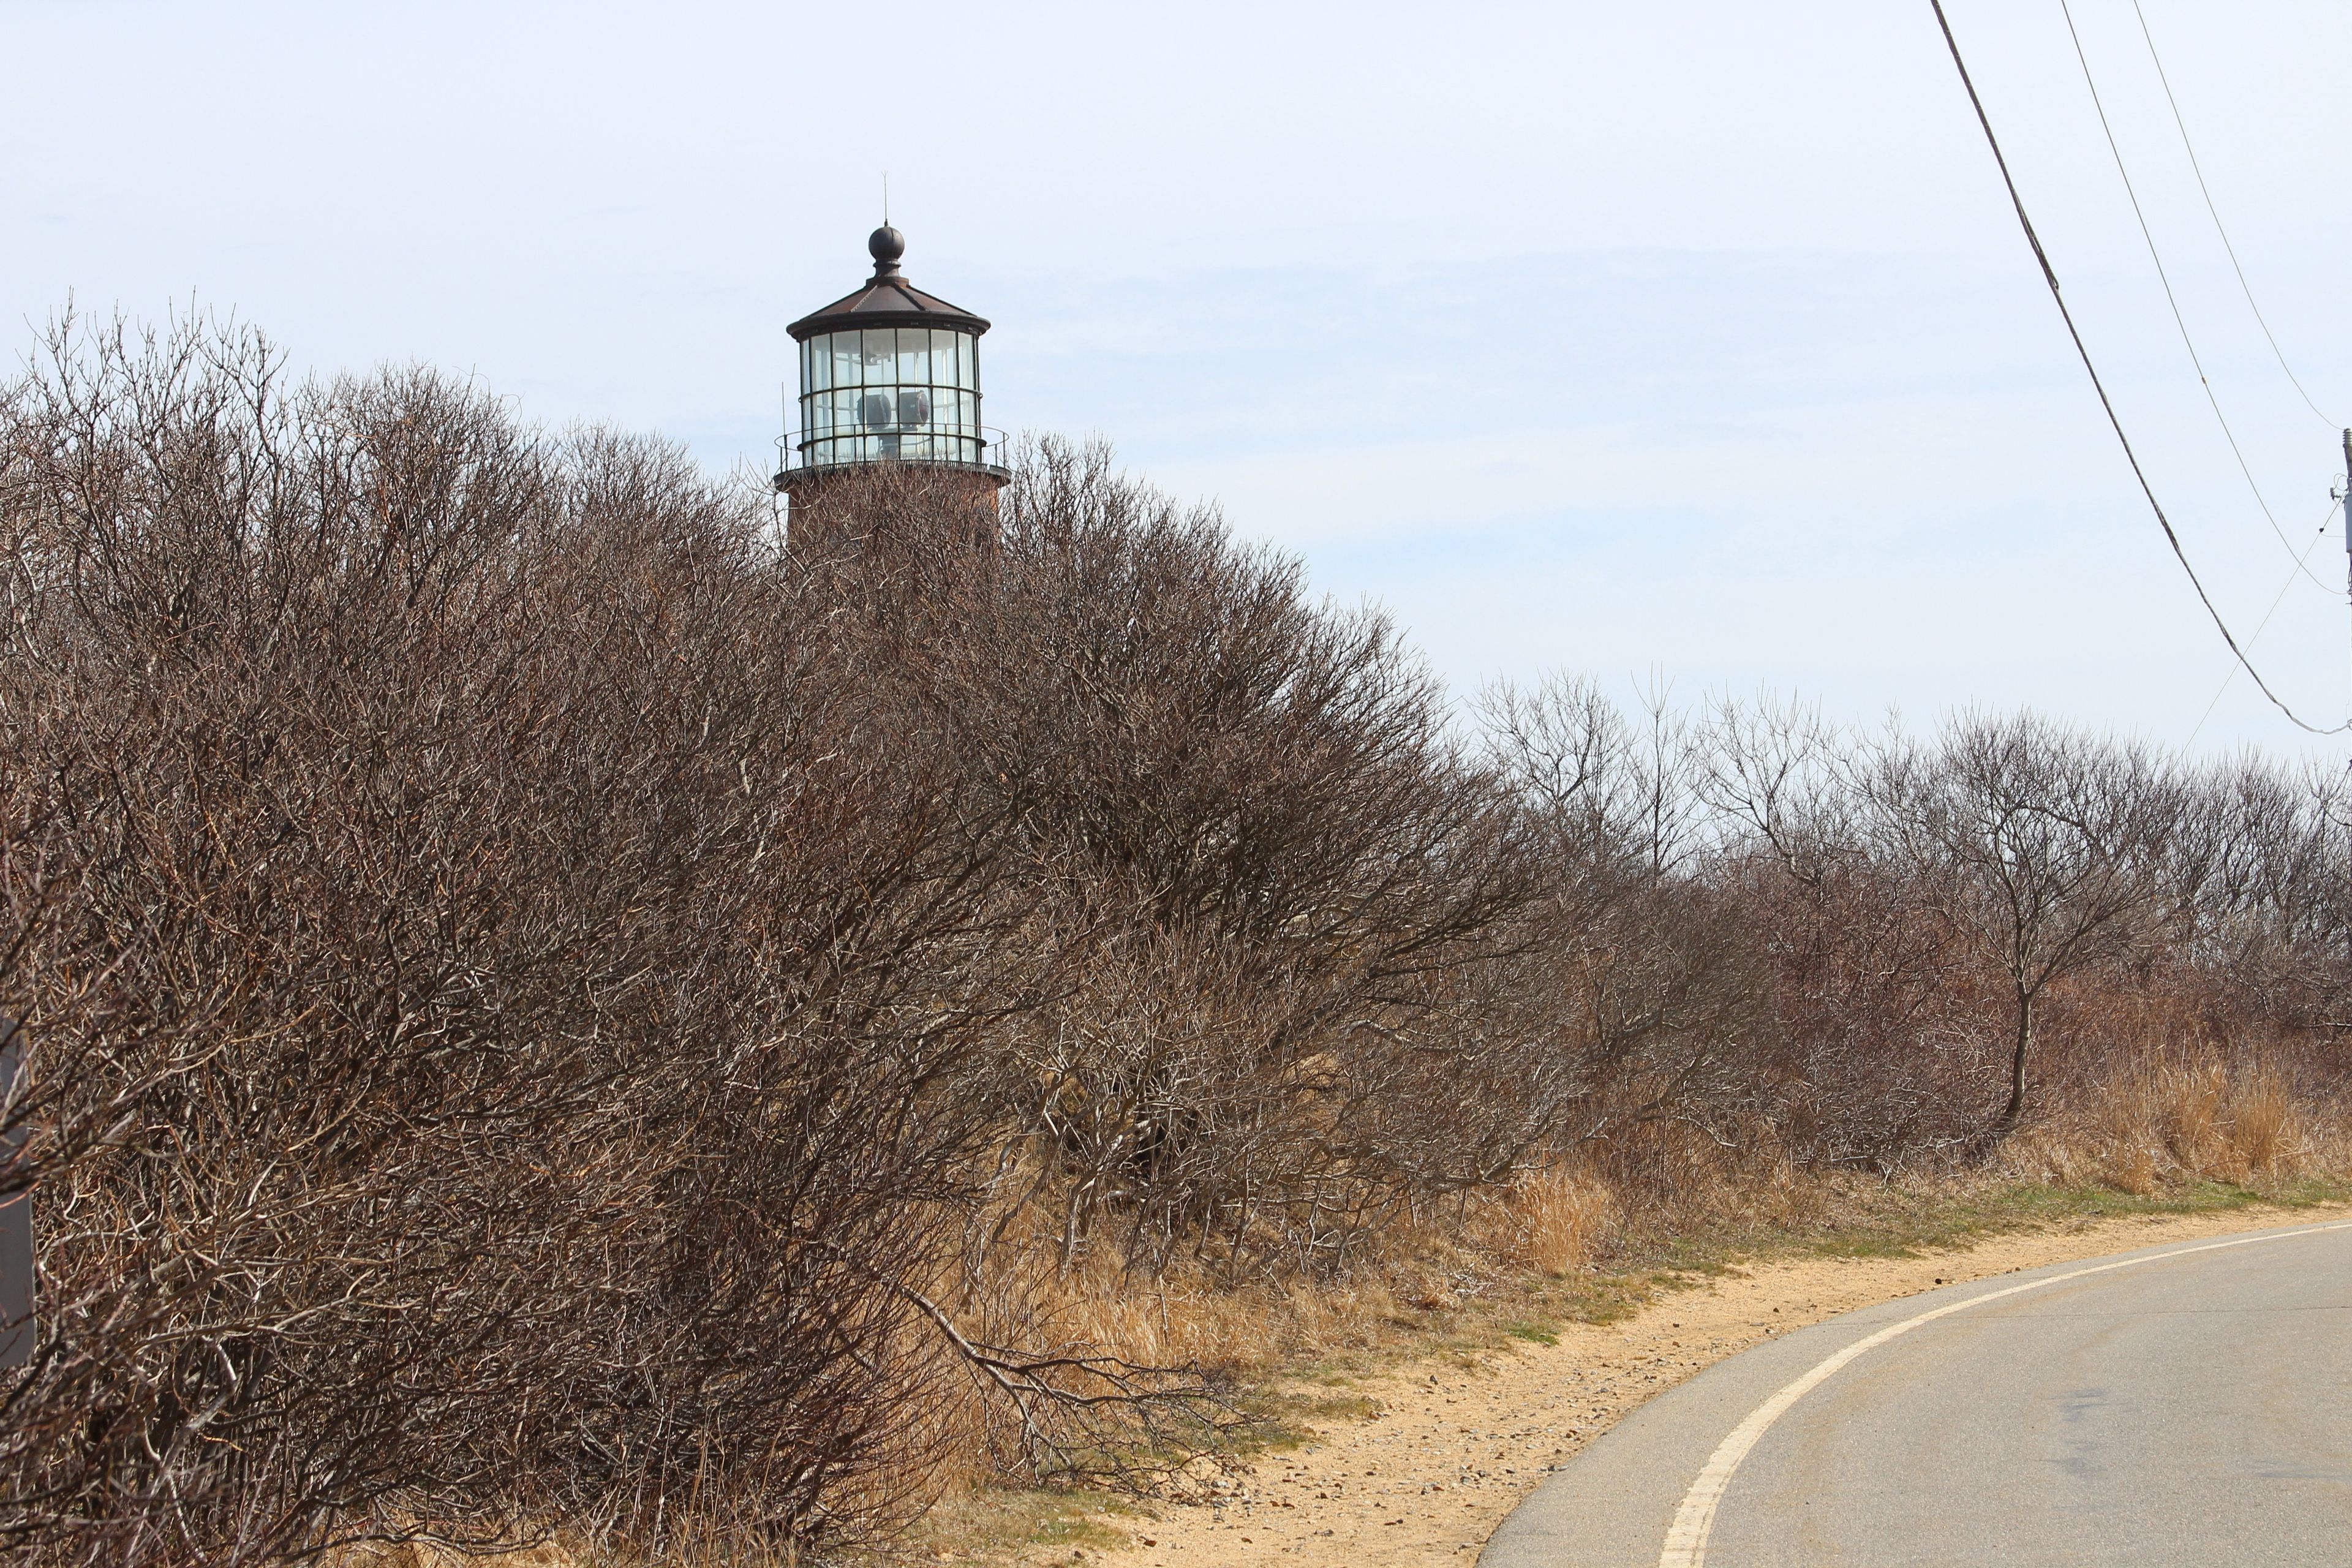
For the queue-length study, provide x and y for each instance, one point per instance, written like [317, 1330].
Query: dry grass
[419, 1555]
[1553, 1221]
[1186, 1318]
[2178, 1115]
[2160, 1121]
[2263, 1122]
[708, 1544]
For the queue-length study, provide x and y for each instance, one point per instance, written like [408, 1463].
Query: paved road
[2188, 1405]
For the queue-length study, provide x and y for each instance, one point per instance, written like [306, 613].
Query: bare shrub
[503, 972]
[1287, 872]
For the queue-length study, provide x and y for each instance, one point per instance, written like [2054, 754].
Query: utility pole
[2343, 498]
[16, 1330]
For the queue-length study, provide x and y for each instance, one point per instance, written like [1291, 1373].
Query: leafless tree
[2036, 847]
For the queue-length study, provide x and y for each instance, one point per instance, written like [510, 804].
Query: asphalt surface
[2191, 1407]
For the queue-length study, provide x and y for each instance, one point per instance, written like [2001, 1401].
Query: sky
[1690, 347]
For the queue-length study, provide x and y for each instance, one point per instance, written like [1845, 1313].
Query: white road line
[1686, 1538]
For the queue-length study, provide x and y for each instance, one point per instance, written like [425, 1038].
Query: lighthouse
[889, 376]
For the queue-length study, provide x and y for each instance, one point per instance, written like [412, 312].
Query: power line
[2050, 275]
[2219, 690]
[2178, 318]
[2246, 288]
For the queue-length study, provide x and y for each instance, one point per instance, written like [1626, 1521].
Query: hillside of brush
[547, 1005]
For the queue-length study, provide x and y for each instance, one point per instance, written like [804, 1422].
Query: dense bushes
[503, 972]
[544, 1003]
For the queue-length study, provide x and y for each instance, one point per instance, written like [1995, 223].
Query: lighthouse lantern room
[888, 375]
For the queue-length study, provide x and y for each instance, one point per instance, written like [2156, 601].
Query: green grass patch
[1070, 1524]
[1337, 1407]
[991, 1523]
[1896, 1222]
[1883, 1222]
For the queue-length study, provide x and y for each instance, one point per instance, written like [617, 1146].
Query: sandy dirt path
[1453, 1451]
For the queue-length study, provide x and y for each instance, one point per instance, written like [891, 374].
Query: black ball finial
[886, 245]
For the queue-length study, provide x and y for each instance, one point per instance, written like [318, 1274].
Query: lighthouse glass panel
[885, 393]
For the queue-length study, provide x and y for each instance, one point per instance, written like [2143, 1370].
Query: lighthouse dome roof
[885, 299]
